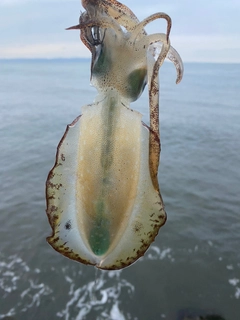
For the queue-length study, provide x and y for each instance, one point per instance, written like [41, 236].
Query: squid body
[103, 199]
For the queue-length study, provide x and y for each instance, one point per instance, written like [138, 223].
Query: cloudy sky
[203, 31]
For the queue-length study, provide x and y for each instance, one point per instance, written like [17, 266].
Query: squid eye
[95, 36]
[96, 33]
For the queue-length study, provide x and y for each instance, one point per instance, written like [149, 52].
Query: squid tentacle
[121, 13]
[160, 15]
[114, 9]
[174, 56]
[148, 40]
[154, 144]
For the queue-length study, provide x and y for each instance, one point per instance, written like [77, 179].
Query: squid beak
[77, 27]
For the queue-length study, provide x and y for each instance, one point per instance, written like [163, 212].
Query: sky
[202, 31]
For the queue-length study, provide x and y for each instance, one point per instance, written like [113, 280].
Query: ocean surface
[193, 267]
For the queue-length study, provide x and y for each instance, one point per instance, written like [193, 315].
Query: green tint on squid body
[136, 83]
[99, 236]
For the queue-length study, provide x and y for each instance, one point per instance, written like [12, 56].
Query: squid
[103, 199]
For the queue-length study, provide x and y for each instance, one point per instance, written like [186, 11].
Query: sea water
[194, 263]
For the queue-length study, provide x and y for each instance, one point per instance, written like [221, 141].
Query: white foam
[155, 253]
[237, 293]
[115, 313]
[12, 278]
[233, 281]
[101, 296]
[229, 267]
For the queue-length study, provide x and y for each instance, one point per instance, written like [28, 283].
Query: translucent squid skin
[103, 199]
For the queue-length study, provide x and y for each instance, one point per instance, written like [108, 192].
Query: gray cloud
[34, 28]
